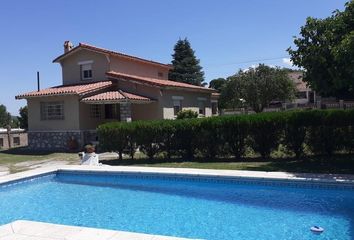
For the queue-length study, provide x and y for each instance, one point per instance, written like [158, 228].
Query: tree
[325, 50]
[217, 83]
[23, 118]
[5, 117]
[186, 66]
[15, 123]
[257, 87]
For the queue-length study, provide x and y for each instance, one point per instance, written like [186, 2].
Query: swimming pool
[183, 206]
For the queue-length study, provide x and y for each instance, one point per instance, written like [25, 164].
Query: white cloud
[288, 61]
[256, 65]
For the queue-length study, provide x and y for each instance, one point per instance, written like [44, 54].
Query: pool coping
[32, 230]
[345, 179]
[8, 231]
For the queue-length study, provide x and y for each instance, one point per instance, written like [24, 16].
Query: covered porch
[110, 106]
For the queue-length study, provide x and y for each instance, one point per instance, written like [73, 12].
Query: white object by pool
[90, 159]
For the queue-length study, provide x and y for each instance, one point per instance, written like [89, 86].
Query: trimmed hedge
[318, 131]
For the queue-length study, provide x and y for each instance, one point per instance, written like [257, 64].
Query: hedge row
[319, 131]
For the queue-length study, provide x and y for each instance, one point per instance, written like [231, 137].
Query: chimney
[68, 46]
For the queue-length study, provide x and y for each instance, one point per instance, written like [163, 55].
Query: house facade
[99, 86]
[304, 94]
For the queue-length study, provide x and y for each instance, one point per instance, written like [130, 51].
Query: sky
[227, 35]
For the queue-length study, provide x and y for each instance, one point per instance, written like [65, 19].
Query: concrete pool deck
[35, 230]
[30, 230]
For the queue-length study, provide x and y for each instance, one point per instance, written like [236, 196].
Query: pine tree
[186, 66]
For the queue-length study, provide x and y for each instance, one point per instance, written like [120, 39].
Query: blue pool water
[182, 207]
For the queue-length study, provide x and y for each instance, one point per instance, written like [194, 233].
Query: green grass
[341, 164]
[13, 158]
[21, 159]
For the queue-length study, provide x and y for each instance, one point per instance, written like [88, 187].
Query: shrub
[113, 137]
[235, 131]
[148, 137]
[185, 114]
[185, 137]
[295, 131]
[265, 132]
[208, 136]
[323, 131]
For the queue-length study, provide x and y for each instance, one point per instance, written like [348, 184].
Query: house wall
[86, 120]
[144, 111]
[4, 139]
[127, 66]
[71, 68]
[71, 114]
[102, 64]
[190, 101]
[54, 134]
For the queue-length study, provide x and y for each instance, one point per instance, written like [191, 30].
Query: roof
[157, 82]
[78, 89]
[109, 52]
[114, 96]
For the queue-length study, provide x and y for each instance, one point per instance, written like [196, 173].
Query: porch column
[125, 112]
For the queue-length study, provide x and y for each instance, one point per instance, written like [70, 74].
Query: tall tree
[217, 83]
[186, 66]
[23, 118]
[5, 117]
[325, 50]
[257, 87]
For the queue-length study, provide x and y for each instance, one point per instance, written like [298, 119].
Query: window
[1, 142]
[86, 71]
[16, 141]
[177, 106]
[214, 108]
[201, 105]
[112, 111]
[52, 110]
[95, 111]
[160, 74]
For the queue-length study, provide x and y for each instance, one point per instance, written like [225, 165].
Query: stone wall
[56, 140]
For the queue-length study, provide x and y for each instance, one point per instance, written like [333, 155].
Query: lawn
[342, 164]
[21, 159]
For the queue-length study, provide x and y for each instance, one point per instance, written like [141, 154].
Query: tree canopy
[325, 50]
[23, 118]
[257, 87]
[186, 66]
[5, 117]
[217, 83]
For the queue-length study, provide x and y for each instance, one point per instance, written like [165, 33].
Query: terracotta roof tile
[157, 82]
[114, 96]
[109, 52]
[78, 89]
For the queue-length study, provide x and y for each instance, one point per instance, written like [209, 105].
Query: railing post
[341, 104]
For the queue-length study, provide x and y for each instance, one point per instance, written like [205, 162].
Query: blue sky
[224, 34]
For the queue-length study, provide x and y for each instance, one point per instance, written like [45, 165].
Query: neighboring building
[14, 137]
[304, 93]
[100, 85]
